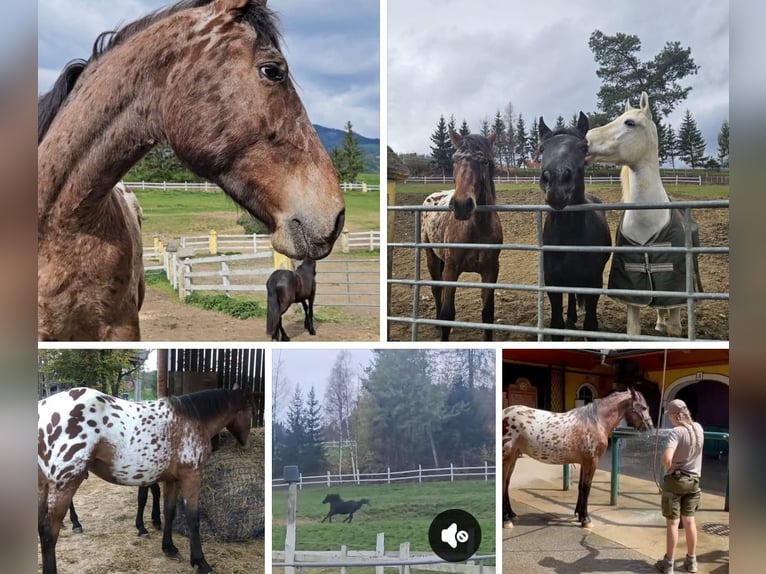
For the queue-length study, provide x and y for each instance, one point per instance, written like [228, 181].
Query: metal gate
[539, 330]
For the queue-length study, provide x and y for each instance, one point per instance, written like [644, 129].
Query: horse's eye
[630, 123]
[272, 72]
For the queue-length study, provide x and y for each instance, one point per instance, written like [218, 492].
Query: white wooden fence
[382, 560]
[207, 186]
[420, 474]
[534, 179]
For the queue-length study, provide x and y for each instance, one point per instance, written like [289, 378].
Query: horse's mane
[589, 412]
[205, 405]
[477, 148]
[263, 20]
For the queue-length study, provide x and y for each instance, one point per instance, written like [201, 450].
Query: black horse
[340, 506]
[285, 287]
[143, 495]
[563, 183]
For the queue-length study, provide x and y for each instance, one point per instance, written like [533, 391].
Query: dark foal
[563, 183]
[340, 506]
[285, 287]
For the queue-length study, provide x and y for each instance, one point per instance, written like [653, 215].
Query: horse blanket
[654, 271]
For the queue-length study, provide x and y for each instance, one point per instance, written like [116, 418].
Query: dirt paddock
[110, 543]
[520, 267]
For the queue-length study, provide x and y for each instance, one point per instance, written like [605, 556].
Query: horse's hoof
[77, 529]
[507, 524]
[171, 553]
[145, 535]
[312, 332]
[588, 525]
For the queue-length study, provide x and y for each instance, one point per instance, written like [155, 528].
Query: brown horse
[169, 440]
[208, 79]
[577, 436]
[474, 173]
[285, 287]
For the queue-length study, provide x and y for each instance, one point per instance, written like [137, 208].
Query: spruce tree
[441, 148]
[464, 129]
[521, 139]
[559, 123]
[499, 128]
[348, 159]
[533, 141]
[313, 460]
[691, 145]
[723, 144]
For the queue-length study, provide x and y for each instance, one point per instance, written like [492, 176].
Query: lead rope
[659, 418]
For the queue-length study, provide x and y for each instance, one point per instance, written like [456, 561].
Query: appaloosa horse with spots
[474, 172]
[206, 78]
[169, 440]
[578, 436]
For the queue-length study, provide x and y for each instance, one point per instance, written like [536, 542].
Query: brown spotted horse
[473, 168]
[206, 78]
[169, 440]
[577, 436]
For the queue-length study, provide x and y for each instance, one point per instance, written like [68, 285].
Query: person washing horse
[682, 459]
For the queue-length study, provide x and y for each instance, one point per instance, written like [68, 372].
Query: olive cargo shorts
[680, 495]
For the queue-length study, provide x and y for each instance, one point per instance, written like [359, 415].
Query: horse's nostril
[339, 222]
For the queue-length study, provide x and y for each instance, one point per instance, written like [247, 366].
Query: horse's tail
[272, 308]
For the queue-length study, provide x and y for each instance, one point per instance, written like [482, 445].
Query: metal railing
[540, 288]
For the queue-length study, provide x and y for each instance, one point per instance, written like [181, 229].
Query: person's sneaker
[690, 563]
[664, 565]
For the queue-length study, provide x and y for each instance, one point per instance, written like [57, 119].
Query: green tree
[442, 146]
[522, 145]
[161, 164]
[313, 459]
[533, 141]
[624, 76]
[723, 144]
[102, 369]
[484, 127]
[293, 444]
[348, 159]
[666, 138]
[691, 145]
[464, 129]
[560, 123]
[498, 127]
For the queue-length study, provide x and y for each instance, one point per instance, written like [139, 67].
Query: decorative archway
[586, 393]
[673, 390]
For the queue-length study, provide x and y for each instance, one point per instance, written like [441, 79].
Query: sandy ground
[164, 318]
[110, 543]
[520, 267]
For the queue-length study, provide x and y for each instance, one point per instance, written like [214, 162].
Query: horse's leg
[328, 516]
[634, 320]
[76, 526]
[190, 487]
[350, 518]
[143, 494]
[488, 297]
[587, 471]
[571, 322]
[52, 506]
[509, 463]
[590, 323]
[435, 268]
[170, 494]
[156, 519]
[674, 322]
[661, 325]
[557, 314]
[447, 313]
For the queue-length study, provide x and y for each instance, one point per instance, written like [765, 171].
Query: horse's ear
[582, 124]
[542, 129]
[491, 137]
[644, 104]
[455, 137]
[632, 393]
[628, 107]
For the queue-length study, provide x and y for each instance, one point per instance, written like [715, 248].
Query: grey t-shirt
[686, 458]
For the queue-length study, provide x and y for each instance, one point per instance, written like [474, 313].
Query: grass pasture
[402, 511]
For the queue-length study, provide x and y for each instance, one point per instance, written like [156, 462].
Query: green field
[692, 191]
[402, 512]
[179, 213]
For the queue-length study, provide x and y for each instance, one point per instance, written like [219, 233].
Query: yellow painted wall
[673, 375]
[573, 381]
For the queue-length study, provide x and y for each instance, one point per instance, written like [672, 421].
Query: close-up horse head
[563, 161]
[627, 139]
[473, 169]
[637, 413]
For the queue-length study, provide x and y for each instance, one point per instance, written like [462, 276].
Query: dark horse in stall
[473, 168]
[576, 436]
[285, 287]
[143, 496]
[340, 506]
[135, 444]
[563, 183]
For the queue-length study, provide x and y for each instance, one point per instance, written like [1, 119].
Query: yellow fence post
[364, 187]
[213, 242]
[282, 261]
[344, 241]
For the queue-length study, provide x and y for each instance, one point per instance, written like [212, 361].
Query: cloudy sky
[332, 47]
[312, 367]
[471, 59]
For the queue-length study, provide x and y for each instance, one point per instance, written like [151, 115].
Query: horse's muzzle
[462, 208]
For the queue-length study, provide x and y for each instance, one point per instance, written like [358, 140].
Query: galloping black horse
[563, 183]
[340, 506]
[285, 287]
